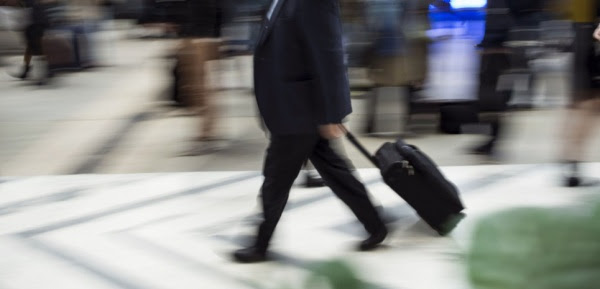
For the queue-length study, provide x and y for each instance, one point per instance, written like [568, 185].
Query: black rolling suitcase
[417, 179]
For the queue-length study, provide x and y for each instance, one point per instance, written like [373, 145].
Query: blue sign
[457, 4]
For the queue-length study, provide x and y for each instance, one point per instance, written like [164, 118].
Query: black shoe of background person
[572, 178]
[373, 241]
[250, 255]
[313, 181]
[572, 182]
[486, 149]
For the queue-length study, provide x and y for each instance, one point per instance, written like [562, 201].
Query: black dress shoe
[250, 255]
[572, 182]
[314, 181]
[373, 241]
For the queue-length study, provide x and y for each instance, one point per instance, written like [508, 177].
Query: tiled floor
[144, 231]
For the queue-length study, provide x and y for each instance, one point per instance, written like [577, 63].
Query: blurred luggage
[417, 179]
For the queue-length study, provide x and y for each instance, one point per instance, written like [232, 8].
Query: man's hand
[597, 33]
[331, 131]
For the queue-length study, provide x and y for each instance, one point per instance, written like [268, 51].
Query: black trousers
[285, 158]
[33, 38]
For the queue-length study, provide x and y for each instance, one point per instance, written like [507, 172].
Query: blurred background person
[585, 106]
[494, 60]
[108, 10]
[511, 25]
[399, 52]
[398, 56]
[201, 43]
[526, 43]
[357, 37]
[43, 14]
[11, 3]
[161, 18]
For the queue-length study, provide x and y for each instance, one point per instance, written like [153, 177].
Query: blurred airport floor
[176, 230]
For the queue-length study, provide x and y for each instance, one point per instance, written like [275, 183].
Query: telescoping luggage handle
[358, 145]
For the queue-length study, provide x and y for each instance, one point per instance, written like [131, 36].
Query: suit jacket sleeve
[321, 31]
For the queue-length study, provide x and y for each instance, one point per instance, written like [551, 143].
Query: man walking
[303, 95]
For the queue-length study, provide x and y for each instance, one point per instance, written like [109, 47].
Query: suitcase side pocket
[426, 167]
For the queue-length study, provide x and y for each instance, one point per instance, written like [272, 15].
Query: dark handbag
[417, 179]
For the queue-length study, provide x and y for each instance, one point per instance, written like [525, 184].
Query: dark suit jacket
[300, 79]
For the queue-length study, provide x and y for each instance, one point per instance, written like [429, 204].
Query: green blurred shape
[337, 274]
[537, 248]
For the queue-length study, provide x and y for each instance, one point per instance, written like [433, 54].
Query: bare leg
[579, 126]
